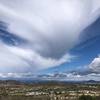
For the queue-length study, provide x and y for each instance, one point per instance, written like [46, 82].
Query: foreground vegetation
[83, 97]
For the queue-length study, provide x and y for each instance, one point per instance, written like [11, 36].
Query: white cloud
[87, 77]
[9, 62]
[69, 77]
[16, 59]
[53, 76]
[95, 64]
[37, 60]
[51, 27]
[17, 75]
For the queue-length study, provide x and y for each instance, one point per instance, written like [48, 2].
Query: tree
[86, 97]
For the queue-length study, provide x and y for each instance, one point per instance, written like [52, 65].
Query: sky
[54, 39]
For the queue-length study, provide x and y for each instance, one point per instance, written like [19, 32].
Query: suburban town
[15, 90]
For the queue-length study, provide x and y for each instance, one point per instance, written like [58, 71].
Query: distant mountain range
[23, 82]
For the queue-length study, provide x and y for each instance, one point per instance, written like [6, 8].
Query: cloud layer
[50, 27]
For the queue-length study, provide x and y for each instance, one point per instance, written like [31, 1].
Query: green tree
[86, 97]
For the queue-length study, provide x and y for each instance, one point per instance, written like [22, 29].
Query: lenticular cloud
[50, 27]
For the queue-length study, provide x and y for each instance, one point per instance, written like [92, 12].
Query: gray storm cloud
[51, 27]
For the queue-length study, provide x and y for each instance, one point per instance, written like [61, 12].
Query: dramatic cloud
[50, 27]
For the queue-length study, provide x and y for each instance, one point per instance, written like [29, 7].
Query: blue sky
[48, 37]
[85, 51]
